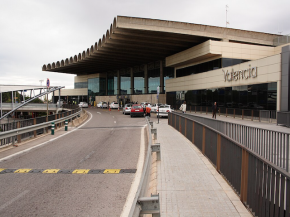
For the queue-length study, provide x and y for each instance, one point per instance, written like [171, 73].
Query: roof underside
[135, 41]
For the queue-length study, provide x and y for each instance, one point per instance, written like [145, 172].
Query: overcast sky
[37, 32]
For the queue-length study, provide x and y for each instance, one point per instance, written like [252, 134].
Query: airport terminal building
[199, 64]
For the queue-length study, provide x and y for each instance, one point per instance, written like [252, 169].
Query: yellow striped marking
[22, 171]
[80, 171]
[1, 169]
[51, 171]
[112, 171]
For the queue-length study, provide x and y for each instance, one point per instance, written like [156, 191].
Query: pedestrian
[183, 107]
[148, 110]
[214, 110]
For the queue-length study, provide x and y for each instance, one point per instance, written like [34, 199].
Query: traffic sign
[47, 83]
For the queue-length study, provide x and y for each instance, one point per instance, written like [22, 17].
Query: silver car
[127, 108]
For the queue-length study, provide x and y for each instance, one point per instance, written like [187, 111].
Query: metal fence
[269, 144]
[262, 186]
[248, 114]
[29, 122]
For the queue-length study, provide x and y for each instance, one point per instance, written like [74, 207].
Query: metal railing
[262, 186]
[143, 186]
[17, 126]
[248, 114]
[269, 144]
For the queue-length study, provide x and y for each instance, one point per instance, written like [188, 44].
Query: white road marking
[99, 113]
[27, 150]
[134, 187]
[87, 157]
[115, 122]
[13, 200]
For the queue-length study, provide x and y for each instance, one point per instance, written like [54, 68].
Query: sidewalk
[263, 125]
[188, 184]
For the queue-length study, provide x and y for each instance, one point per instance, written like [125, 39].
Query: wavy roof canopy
[134, 41]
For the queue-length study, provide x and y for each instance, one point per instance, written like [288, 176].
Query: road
[110, 140]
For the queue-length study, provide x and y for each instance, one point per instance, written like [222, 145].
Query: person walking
[183, 107]
[214, 110]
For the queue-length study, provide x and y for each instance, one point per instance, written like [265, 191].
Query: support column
[145, 79]
[161, 77]
[1, 104]
[118, 83]
[285, 79]
[174, 72]
[59, 98]
[132, 81]
[106, 84]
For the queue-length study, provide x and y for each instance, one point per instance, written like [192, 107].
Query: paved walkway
[264, 125]
[188, 184]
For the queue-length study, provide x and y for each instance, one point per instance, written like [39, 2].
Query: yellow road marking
[51, 171]
[80, 171]
[1, 169]
[22, 171]
[112, 171]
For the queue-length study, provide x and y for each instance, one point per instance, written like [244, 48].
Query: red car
[137, 110]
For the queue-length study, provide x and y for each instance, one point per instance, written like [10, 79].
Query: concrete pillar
[174, 72]
[145, 79]
[59, 98]
[106, 84]
[278, 106]
[132, 81]
[285, 79]
[161, 77]
[118, 83]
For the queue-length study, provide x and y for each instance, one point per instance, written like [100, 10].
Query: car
[114, 105]
[127, 108]
[99, 105]
[61, 102]
[83, 105]
[137, 110]
[164, 110]
[154, 107]
[102, 105]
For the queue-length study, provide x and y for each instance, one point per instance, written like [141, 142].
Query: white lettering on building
[251, 72]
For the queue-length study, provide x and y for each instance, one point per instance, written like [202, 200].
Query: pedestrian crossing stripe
[68, 171]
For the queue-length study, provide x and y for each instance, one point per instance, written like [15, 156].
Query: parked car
[114, 105]
[127, 109]
[83, 105]
[99, 105]
[137, 110]
[154, 107]
[61, 102]
[105, 105]
[164, 110]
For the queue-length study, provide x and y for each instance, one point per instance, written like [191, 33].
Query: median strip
[67, 171]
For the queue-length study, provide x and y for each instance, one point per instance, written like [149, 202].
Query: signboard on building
[251, 72]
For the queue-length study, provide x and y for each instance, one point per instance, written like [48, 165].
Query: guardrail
[262, 186]
[13, 135]
[142, 204]
[269, 144]
[248, 114]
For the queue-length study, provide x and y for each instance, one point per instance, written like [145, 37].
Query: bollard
[52, 128]
[156, 148]
[151, 123]
[154, 131]
[65, 124]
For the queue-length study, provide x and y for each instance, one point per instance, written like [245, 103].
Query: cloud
[36, 32]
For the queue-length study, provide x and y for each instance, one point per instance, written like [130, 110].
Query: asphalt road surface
[110, 140]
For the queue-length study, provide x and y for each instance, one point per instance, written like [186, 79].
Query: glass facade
[153, 80]
[139, 83]
[96, 87]
[258, 96]
[125, 84]
[78, 85]
[208, 66]
[112, 84]
[168, 72]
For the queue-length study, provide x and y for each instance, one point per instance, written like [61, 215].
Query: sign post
[47, 85]
[158, 88]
